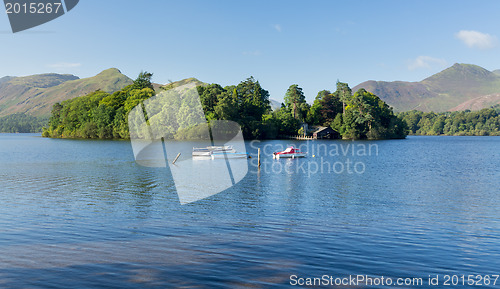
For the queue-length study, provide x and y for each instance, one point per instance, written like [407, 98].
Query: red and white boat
[290, 152]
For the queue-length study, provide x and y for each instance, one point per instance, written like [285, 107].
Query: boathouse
[325, 132]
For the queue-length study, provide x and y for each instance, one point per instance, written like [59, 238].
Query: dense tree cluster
[102, 115]
[481, 123]
[359, 116]
[22, 123]
[246, 103]
[98, 114]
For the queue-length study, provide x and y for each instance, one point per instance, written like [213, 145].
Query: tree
[288, 125]
[314, 116]
[438, 125]
[367, 116]
[344, 93]
[99, 114]
[295, 102]
[330, 107]
[22, 123]
[252, 102]
[483, 122]
[256, 99]
[226, 108]
[143, 81]
[135, 97]
[337, 123]
[210, 96]
[103, 115]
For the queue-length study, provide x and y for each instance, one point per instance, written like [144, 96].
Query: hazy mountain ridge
[191, 81]
[275, 105]
[36, 94]
[5, 79]
[399, 94]
[443, 91]
[479, 102]
[459, 87]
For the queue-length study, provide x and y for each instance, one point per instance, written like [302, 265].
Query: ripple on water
[84, 214]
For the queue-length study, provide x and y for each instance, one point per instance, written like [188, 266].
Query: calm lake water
[83, 214]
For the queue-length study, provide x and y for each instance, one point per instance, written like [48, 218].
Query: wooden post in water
[178, 155]
[258, 158]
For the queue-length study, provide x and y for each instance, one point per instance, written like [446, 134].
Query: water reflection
[95, 218]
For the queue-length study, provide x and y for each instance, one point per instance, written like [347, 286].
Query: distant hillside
[479, 103]
[446, 90]
[175, 84]
[275, 105]
[36, 94]
[5, 79]
[401, 95]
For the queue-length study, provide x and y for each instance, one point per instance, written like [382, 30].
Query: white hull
[296, 155]
[201, 154]
[208, 151]
[229, 156]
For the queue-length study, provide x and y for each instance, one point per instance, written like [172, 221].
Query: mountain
[5, 79]
[192, 81]
[479, 103]
[36, 94]
[275, 105]
[401, 95]
[451, 88]
[497, 72]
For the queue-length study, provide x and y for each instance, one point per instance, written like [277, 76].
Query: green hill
[36, 94]
[191, 80]
[401, 95]
[446, 90]
[16, 92]
[464, 80]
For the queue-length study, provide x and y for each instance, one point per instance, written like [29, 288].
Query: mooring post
[178, 155]
[258, 158]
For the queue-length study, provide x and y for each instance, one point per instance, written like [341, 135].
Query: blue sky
[310, 43]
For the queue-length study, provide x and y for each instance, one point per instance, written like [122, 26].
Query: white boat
[229, 155]
[290, 152]
[207, 151]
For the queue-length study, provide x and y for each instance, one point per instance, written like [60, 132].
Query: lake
[84, 214]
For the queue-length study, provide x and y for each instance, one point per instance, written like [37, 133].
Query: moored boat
[290, 152]
[218, 152]
[229, 155]
[209, 150]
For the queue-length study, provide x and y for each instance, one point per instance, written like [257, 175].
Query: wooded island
[361, 115]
